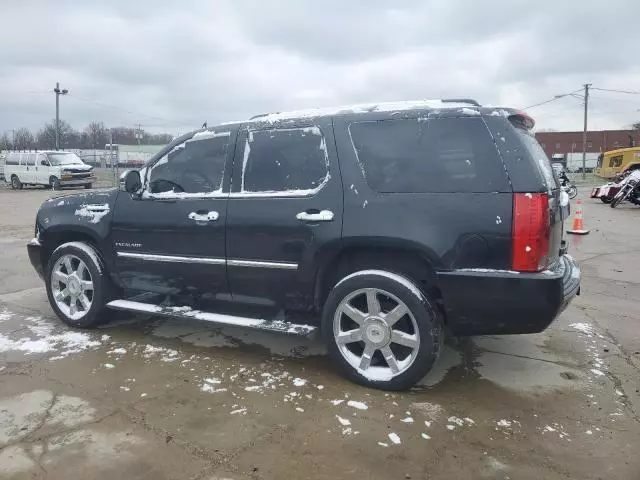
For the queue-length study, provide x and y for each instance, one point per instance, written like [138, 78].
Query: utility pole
[139, 136]
[584, 132]
[58, 92]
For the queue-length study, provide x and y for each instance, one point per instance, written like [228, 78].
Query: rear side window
[13, 159]
[539, 156]
[434, 155]
[290, 160]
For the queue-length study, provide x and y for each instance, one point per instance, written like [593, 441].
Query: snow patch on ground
[62, 344]
[394, 438]
[358, 405]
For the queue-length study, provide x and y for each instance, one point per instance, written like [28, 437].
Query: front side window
[291, 161]
[616, 161]
[195, 167]
[436, 155]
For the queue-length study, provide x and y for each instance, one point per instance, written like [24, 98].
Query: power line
[617, 91]
[114, 107]
[556, 97]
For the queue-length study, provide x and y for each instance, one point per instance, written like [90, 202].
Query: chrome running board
[279, 326]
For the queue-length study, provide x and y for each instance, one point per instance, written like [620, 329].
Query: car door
[29, 175]
[285, 212]
[42, 169]
[171, 237]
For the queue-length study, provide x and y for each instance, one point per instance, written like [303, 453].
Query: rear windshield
[424, 156]
[537, 153]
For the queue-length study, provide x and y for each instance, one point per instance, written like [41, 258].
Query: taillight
[531, 230]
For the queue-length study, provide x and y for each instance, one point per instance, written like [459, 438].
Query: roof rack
[260, 115]
[470, 101]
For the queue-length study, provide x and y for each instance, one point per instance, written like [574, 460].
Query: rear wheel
[87, 186]
[54, 183]
[572, 191]
[77, 284]
[16, 184]
[381, 330]
[607, 199]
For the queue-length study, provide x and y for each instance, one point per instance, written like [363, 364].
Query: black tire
[16, 184]
[429, 326]
[621, 196]
[87, 186]
[572, 191]
[54, 183]
[102, 288]
[606, 199]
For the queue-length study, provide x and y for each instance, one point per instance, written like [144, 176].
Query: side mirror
[44, 163]
[130, 181]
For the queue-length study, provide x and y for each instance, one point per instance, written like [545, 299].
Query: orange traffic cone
[578, 223]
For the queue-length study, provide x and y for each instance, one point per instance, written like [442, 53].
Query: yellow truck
[614, 162]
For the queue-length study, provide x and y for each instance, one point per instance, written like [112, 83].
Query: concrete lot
[152, 398]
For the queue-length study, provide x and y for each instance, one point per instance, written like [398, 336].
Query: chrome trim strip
[171, 258]
[257, 263]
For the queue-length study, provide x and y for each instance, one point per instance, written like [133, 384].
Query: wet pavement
[147, 397]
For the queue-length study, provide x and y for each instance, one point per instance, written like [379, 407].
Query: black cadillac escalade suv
[378, 224]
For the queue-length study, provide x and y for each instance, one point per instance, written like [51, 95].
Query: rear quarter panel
[450, 230]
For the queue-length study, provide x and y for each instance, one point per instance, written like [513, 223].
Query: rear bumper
[487, 302]
[34, 248]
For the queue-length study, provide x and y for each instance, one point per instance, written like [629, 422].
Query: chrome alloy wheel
[376, 333]
[72, 286]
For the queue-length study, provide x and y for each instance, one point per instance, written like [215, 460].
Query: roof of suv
[463, 106]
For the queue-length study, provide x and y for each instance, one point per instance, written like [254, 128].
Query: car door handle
[315, 216]
[202, 216]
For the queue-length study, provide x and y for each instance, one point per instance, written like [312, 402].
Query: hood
[76, 166]
[79, 199]
[80, 211]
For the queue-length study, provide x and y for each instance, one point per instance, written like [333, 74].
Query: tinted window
[437, 155]
[537, 153]
[284, 160]
[195, 166]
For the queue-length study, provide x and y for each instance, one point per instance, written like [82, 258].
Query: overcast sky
[172, 67]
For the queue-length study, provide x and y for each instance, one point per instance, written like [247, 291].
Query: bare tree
[46, 137]
[5, 142]
[24, 139]
[96, 135]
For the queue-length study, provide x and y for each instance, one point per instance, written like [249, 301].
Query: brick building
[597, 141]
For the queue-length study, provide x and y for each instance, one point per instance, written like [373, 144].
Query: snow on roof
[365, 108]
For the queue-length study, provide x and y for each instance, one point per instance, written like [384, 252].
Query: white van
[50, 168]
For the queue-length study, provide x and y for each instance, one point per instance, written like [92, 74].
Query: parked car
[53, 169]
[380, 225]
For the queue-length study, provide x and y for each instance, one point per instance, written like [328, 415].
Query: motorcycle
[629, 190]
[565, 181]
[607, 192]
[567, 186]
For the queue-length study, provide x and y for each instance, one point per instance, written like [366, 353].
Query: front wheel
[572, 191]
[621, 195]
[16, 184]
[381, 330]
[77, 284]
[54, 183]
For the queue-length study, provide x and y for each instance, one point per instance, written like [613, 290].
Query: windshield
[64, 159]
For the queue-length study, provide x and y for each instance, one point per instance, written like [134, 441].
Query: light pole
[585, 99]
[58, 92]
